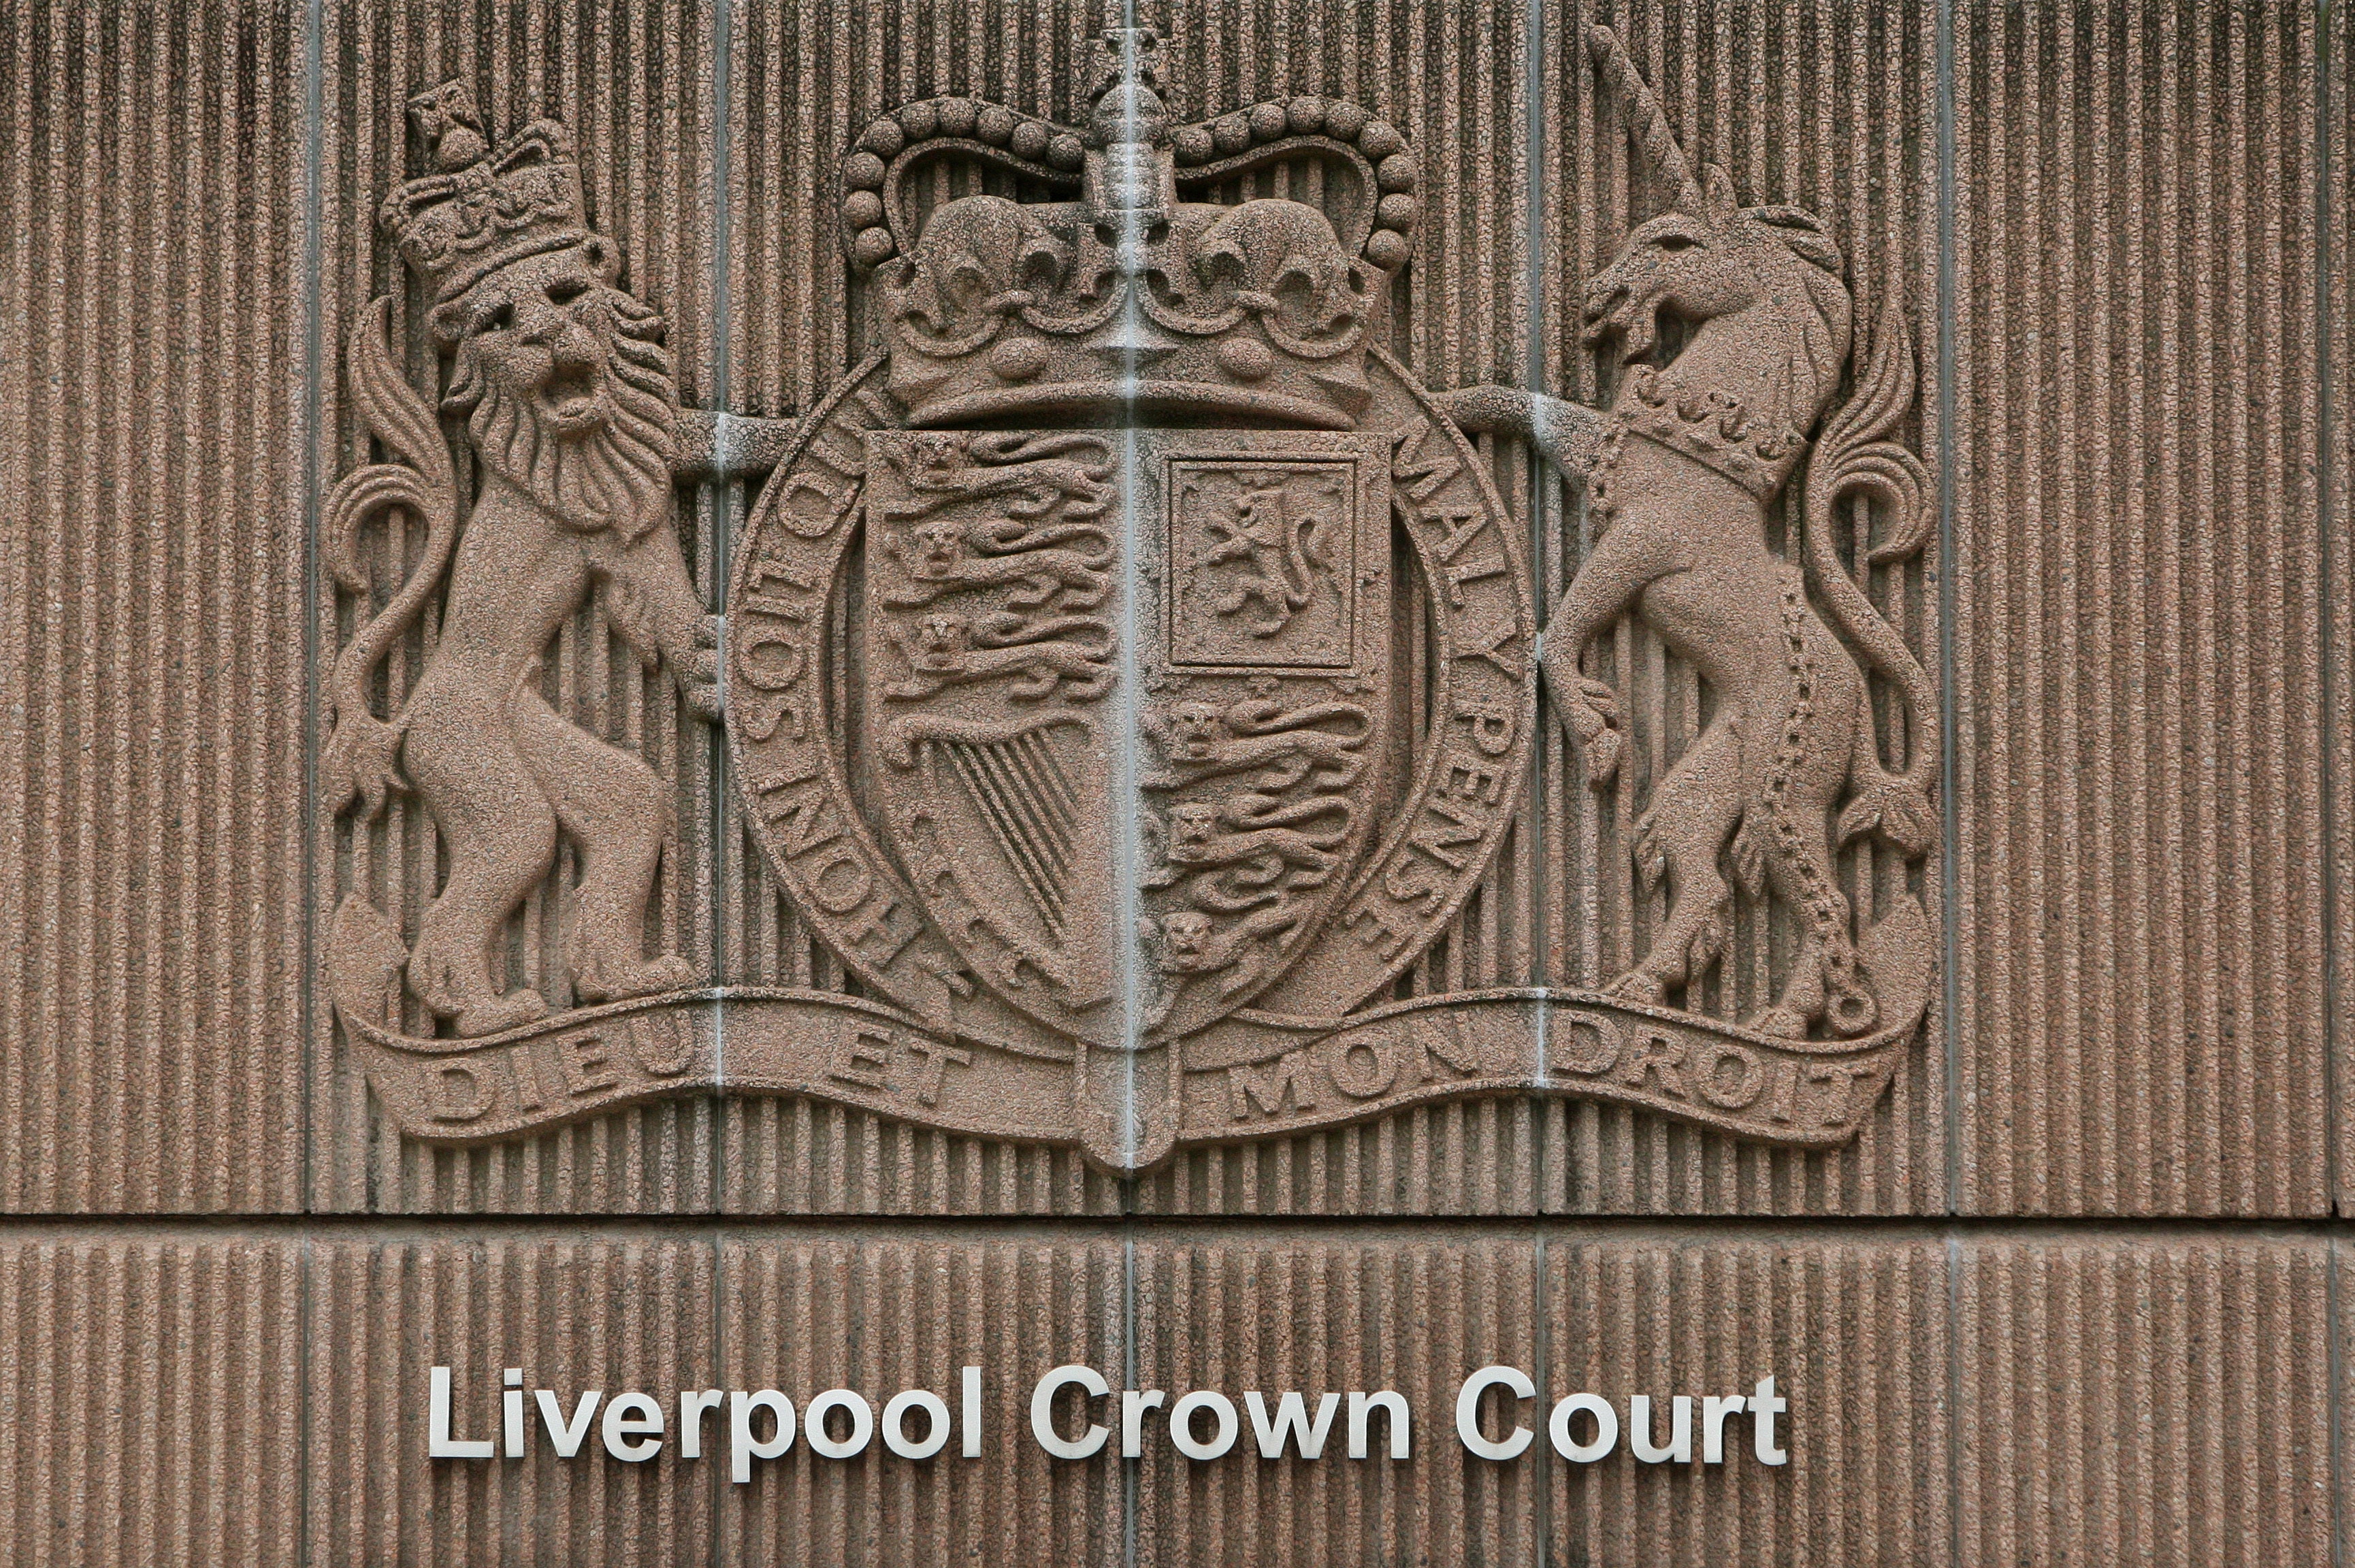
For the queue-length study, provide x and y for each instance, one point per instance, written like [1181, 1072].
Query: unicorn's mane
[1798, 260]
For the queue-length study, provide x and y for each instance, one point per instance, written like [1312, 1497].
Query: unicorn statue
[1681, 471]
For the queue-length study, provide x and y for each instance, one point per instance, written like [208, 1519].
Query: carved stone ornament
[1129, 670]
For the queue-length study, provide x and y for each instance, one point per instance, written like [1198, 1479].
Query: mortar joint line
[1540, 785]
[2334, 1364]
[1535, 107]
[1127, 803]
[1129, 1477]
[314, 224]
[720, 1362]
[1943, 48]
[1848, 1229]
[1953, 1392]
[717, 856]
[2334, 671]
[1950, 813]
[2334, 664]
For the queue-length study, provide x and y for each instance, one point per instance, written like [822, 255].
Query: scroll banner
[1267, 1075]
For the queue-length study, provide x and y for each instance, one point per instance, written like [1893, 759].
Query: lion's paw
[697, 668]
[1637, 985]
[511, 1011]
[671, 972]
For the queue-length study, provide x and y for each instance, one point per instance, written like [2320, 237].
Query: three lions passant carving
[1042, 538]
[566, 392]
[1681, 471]
[1269, 823]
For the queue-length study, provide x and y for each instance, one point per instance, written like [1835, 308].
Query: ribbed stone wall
[2063, 1288]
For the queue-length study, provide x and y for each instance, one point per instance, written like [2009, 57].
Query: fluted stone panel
[2066, 1288]
[154, 698]
[2140, 947]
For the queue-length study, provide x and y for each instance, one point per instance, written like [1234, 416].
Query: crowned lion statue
[565, 392]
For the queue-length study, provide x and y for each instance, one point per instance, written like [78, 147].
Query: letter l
[439, 1443]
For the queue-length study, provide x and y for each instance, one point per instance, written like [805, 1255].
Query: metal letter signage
[1129, 670]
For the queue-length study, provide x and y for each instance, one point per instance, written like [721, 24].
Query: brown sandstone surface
[2058, 1283]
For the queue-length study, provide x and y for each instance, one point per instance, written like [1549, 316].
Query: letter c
[1042, 1412]
[1467, 1412]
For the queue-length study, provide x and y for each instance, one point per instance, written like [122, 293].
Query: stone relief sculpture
[1121, 647]
[565, 389]
[1132, 671]
[1679, 473]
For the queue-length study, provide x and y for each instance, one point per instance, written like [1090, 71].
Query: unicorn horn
[1647, 122]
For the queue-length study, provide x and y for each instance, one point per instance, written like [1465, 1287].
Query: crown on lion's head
[1122, 261]
[482, 207]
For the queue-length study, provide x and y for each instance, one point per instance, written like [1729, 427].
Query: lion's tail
[1854, 458]
[359, 763]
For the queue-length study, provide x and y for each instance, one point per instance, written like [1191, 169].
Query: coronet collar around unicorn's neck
[998, 303]
[1711, 426]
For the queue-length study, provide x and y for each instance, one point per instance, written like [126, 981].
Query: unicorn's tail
[1855, 458]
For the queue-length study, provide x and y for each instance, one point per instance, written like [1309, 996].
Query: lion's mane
[617, 476]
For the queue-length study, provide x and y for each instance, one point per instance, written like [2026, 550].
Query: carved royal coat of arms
[1128, 669]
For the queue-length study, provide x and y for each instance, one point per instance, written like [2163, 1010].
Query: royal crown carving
[1128, 289]
[482, 208]
[1132, 673]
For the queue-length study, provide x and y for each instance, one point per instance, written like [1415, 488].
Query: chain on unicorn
[1682, 470]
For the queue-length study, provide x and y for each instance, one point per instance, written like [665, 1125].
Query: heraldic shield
[1055, 697]
[1111, 521]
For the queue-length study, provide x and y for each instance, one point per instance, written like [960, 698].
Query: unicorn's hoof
[1636, 985]
[1782, 1023]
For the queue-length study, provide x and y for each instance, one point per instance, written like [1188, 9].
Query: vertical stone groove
[154, 629]
[2139, 928]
